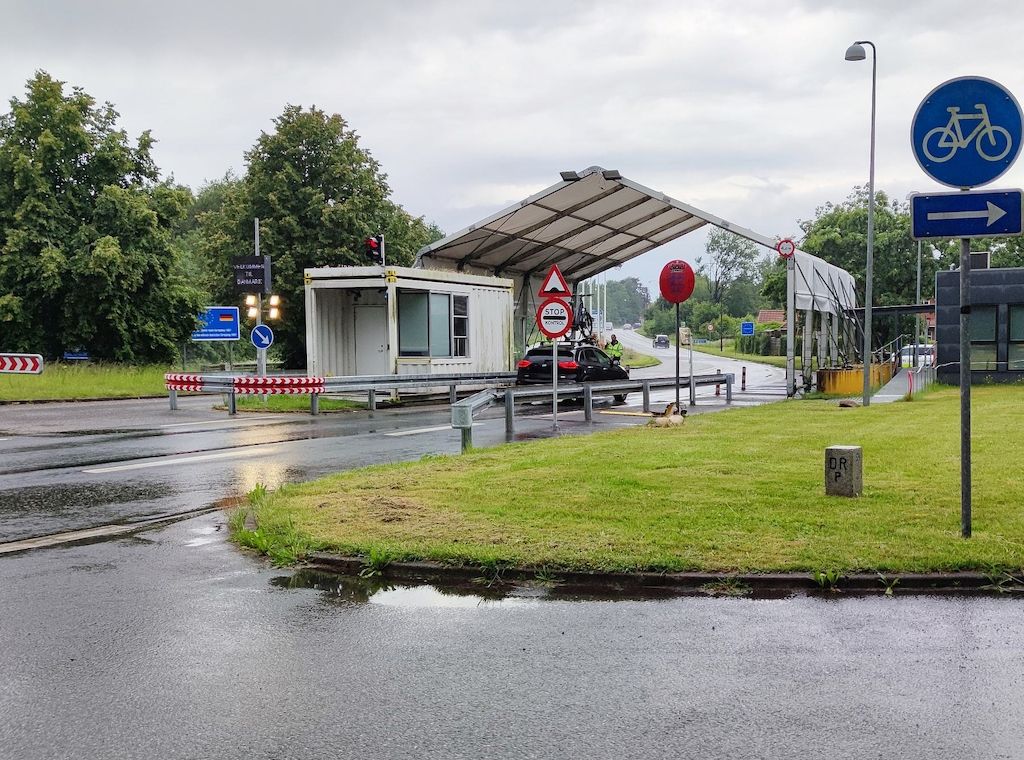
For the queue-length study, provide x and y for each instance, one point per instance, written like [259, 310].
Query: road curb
[425, 571]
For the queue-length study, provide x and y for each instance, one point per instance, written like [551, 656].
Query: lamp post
[856, 53]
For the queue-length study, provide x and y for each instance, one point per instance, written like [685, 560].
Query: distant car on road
[925, 355]
[660, 341]
[627, 326]
[576, 364]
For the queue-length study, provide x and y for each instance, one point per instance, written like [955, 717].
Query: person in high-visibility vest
[614, 349]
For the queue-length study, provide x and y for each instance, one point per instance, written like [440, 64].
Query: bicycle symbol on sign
[942, 143]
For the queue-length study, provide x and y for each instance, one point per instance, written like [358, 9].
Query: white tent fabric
[821, 286]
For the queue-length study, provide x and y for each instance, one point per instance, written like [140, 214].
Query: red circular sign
[676, 281]
[786, 248]
[554, 318]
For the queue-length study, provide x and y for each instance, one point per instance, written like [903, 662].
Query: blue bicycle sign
[967, 132]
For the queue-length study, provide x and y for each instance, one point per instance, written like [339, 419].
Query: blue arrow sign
[985, 213]
[262, 336]
[218, 323]
[967, 132]
[746, 328]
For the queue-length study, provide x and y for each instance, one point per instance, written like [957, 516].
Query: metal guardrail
[463, 411]
[233, 385]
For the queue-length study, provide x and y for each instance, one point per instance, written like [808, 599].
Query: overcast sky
[744, 109]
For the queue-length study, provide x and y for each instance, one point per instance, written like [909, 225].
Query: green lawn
[636, 360]
[740, 490]
[296, 403]
[729, 351]
[78, 381]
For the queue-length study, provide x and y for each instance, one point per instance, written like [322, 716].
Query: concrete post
[172, 396]
[510, 411]
[371, 400]
[822, 338]
[844, 471]
[730, 378]
[806, 353]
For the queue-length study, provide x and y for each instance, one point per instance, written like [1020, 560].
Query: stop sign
[676, 281]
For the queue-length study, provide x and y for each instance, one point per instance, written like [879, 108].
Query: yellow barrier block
[850, 382]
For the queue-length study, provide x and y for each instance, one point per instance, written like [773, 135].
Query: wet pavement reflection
[174, 644]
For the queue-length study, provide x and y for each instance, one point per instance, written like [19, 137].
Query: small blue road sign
[967, 132]
[218, 323]
[980, 213]
[746, 328]
[262, 336]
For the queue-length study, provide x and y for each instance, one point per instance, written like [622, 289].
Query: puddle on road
[347, 589]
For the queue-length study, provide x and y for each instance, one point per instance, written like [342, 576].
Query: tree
[86, 255]
[318, 196]
[729, 259]
[627, 300]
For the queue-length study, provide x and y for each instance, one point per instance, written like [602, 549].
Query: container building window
[432, 324]
[1015, 354]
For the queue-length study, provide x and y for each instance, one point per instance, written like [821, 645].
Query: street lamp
[856, 53]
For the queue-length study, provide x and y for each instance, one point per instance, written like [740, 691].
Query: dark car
[576, 364]
[660, 341]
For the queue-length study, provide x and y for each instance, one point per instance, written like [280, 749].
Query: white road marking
[417, 431]
[247, 451]
[5, 439]
[219, 422]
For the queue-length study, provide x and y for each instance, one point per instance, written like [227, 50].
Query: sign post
[554, 319]
[787, 250]
[966, 132]
[676, 283]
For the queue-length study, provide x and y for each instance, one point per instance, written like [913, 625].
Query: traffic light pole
[261, 353]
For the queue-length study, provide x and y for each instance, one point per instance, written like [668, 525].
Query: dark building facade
[997, 325]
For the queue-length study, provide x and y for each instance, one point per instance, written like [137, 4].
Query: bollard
[371, 400]
[730, 379]
[467, 439]
[844, 471]
[588, 403]
[743, 379]
[314, 403]
[232, 403]
[647, 397]
[173, 396]
[718, 387]
[510, 411]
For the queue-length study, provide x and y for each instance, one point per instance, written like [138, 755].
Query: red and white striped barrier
[250, 390]
[276, 381]
[21, 364]
[182, 377]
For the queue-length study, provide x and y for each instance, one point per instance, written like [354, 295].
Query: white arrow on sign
[993, 212]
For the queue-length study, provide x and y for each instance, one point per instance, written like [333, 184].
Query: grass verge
[729, 351]
[296, 403]
[635, 360]
[77, 381]
[737, 491]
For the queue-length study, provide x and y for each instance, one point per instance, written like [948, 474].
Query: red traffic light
[372, 245]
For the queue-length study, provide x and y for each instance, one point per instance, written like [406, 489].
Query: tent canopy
[589, 222]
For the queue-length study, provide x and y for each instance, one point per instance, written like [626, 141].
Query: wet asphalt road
[73, 466]
[172, 644]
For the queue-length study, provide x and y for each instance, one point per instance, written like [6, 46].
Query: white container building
[390, 320]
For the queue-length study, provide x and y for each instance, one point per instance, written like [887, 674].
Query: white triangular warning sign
[554, 285]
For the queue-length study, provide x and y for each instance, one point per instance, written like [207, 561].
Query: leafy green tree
[86, 254]
[728, 259]
[318, 196]
[627, 300]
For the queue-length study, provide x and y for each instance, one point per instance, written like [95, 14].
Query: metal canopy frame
[589, 222]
